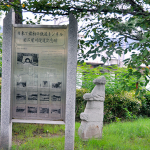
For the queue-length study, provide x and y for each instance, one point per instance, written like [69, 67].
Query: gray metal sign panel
[39, 72]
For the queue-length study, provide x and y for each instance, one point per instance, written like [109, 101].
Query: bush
[116, 106]
[120, 91]
[88, 75]
[145, 108]
[80, 102]
[117, 79]
[121, 106]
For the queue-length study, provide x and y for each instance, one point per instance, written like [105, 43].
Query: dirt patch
[17, 140]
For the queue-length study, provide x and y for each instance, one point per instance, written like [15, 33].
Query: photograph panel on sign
[21, 82]
[56, 99]
[56, 84]
[44, 111]
[20, 111]
[44, 96]
[55, 112]
[27, 59]
[32, 111]
[44, 83]
[20, 96]
[32, 95]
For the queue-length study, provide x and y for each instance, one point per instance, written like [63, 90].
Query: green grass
[133, 135]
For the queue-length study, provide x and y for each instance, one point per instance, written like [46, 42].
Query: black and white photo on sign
[20, 109]
[56, 85]
[44, 84]
[21, 84]
[32, 93]
[20, 96]
[56, 97]
[32, 96]
[55, 111]
[27, 58]
[44, 95]
[44, 110]
[32, 109]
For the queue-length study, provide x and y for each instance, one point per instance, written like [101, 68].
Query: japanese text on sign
[53, 37]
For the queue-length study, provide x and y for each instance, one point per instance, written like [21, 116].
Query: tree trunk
[18, 14]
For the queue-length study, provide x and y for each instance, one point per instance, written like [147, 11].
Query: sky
[1, 19]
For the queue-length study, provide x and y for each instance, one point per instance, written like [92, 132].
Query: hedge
[117, 106]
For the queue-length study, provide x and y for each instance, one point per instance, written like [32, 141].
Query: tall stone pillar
[6, 106]
[92, 117]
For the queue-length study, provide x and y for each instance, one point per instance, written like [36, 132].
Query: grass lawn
[133, 135]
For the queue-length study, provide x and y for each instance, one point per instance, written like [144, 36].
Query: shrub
[0, 66]
[88, 75]
[117, 79]
[123, 106]
[120, 89]
[145, 108]
[116, 106]
[80, 102]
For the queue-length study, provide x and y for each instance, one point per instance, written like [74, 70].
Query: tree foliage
[0, 36]
[124, 20]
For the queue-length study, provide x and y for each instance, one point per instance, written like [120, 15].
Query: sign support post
[71, 84]
[6, 124]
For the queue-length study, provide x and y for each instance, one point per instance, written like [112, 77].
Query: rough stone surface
[98, 93]
[71, 84]
[91, 129]
[94, 105]
[101, 80]
[92, 117]
[93, 111]
[6, 125]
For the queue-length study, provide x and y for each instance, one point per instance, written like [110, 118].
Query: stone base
[89, 130]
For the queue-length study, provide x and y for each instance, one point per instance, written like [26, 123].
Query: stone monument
[92, 117]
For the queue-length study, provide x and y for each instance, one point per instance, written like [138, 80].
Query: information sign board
[38, 77]
[39, 72]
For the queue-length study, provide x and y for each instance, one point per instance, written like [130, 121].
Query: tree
[0, 48]
[124, 19]
[18, 12]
